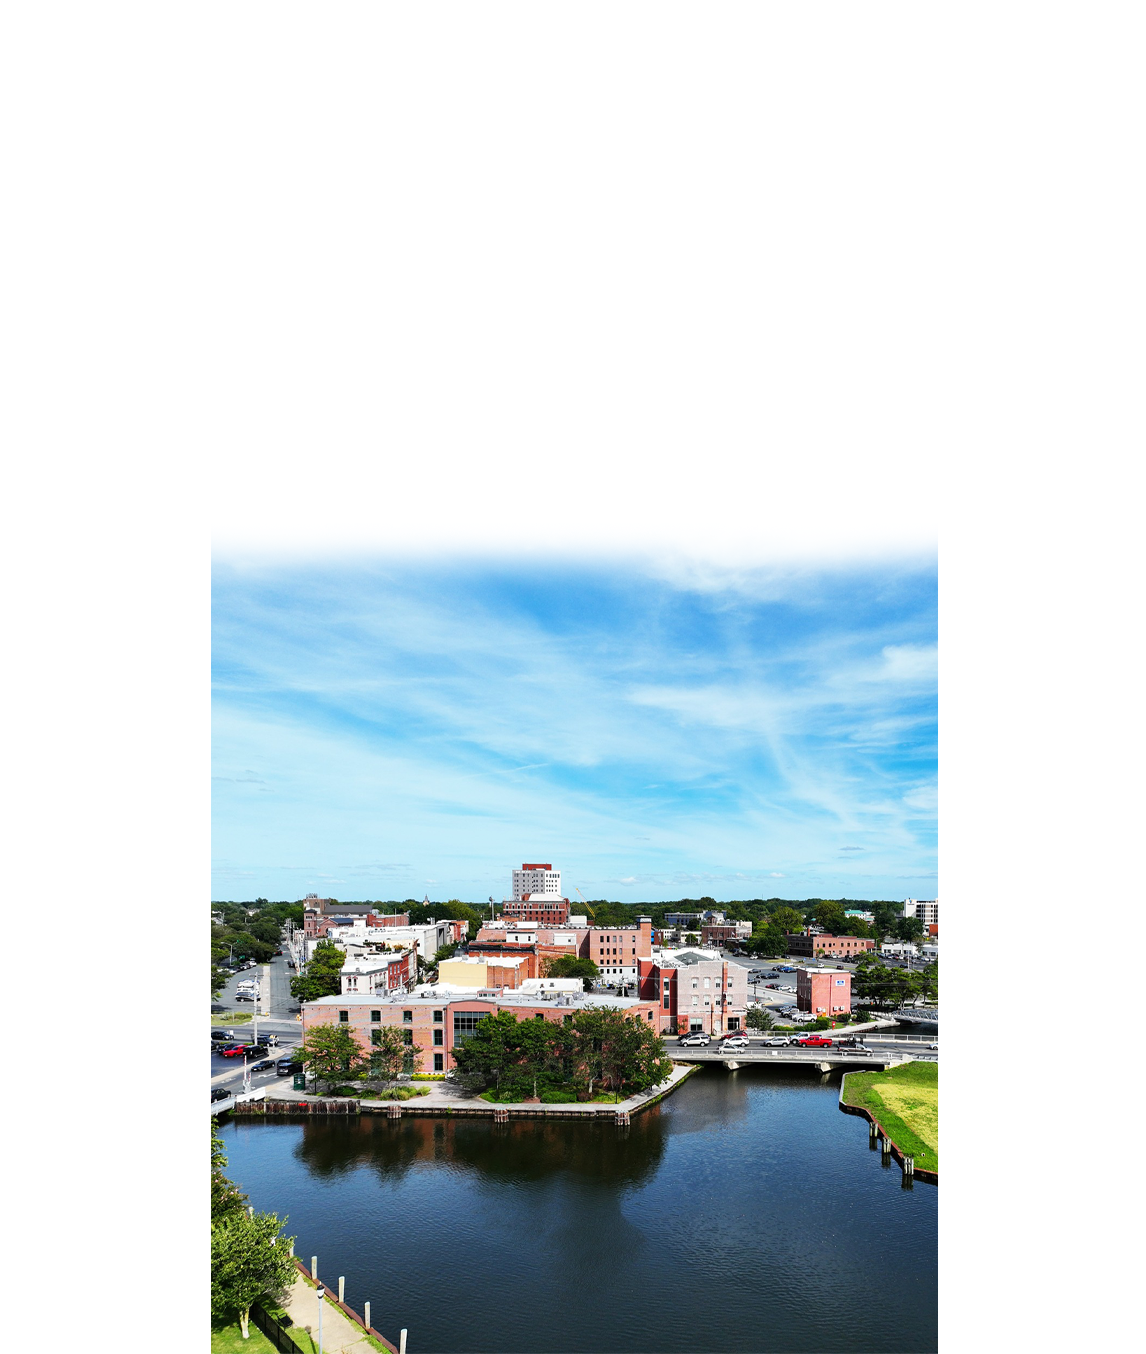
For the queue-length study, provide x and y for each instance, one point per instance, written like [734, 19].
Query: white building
[898, 949]
[859, 915]
[542, 985]
[532, 879]
[428, 938]
[927, 912]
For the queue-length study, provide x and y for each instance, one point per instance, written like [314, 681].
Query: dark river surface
[745, 1212]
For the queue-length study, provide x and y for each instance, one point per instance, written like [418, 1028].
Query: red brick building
[824, 991]
[543, 908]
[435, 1024]
[804, 945]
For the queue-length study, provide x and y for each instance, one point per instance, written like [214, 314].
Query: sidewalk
[339, 1333]
[449, 1093]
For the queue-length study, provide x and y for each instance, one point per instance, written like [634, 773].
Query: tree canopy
[519, 1058]
[573, 966]
[331, 1054]
[322, 976]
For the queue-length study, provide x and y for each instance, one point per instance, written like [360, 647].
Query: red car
[815, 1041]
[244, 1051]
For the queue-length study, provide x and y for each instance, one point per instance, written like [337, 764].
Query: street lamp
[321, 1295]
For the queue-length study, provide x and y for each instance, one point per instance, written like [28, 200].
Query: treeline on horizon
[603, 911]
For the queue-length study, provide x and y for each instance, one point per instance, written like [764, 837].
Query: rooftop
[577, 1000]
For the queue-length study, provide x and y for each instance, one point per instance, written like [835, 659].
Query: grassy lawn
[229, 1340]
[233, 1018]
[905, 1101]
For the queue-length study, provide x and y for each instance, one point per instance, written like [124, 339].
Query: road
[275, 997]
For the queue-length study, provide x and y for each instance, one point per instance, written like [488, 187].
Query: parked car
[278, 952]
[814, 1041]
[232, 1051]
[244, 996]
[217, 1093]
[691, 1039]
[733, 1041]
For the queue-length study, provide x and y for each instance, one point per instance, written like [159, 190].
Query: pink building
[434, 1024]
[824, 991]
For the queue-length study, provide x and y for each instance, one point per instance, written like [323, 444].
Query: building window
[344, 1017]
[375, 1015]
[465, 1022]
[439, 1038]
[408, 1017]
[439, 1062]
[567, 1020]
[437, 1017]
[706, 984]
[733, 1022]
[375, 1036]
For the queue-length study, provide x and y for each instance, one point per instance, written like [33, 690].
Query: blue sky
[388, 731]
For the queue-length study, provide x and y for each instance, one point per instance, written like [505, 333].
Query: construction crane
[588, 909]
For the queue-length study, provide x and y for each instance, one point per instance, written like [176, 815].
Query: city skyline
[387, 730]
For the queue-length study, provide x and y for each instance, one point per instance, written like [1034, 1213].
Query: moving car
[267, 1065]
[690, 1039]
[779, 1041]
[222, 1036]
[285, 1066]
[217, 1093]
[244, 996]
[733, 1041]
[814, 1041]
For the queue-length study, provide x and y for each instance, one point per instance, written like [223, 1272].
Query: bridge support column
[732, 1065]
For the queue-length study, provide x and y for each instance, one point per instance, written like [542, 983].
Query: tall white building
[532, 879]
[927, 912]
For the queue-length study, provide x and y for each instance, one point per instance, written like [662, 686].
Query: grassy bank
[905, 1102]
[231, 1018]
[553, 1098]
[229, 1340]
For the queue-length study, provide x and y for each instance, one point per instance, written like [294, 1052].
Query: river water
[743, 1213]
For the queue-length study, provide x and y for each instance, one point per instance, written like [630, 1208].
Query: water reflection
[525, 1151]
[741, 1214]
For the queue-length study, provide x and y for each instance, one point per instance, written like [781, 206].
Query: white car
[734, 1042]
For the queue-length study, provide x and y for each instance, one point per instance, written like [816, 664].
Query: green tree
[484, 1058]
[831, 917]
[690, 938]
[908, 929]
[787, 919]
[619, 1051]
[446, 952]
[322, 976]
[249, 1261]
[331, 1053]
[227, 1200]
[387, 1054]
[219, 978]
[771, 942]
[759, 1019]
[571, 966]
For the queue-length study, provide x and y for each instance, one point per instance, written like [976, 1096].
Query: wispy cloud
[463, 722]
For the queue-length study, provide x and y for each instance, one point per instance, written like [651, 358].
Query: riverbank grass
[905, 1101]
[231, 1018]
[229, 1340]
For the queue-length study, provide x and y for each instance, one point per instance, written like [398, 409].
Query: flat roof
[509, 998]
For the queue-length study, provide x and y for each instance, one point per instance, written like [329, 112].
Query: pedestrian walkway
[339, 1333]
